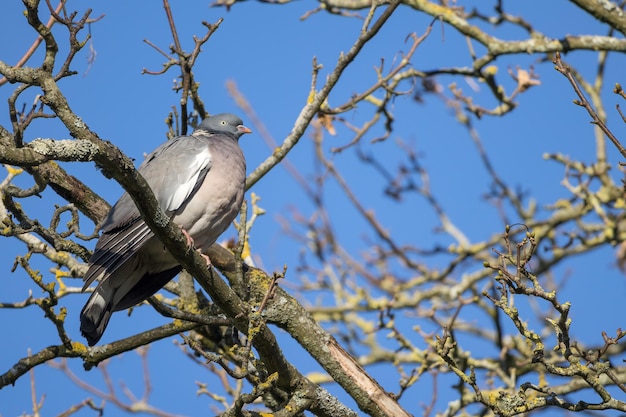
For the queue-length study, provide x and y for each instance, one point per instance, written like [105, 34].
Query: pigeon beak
[242, 129]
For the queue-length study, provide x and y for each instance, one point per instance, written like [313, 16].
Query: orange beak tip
[243, 129]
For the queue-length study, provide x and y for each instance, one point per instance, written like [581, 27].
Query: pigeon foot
[191, 244]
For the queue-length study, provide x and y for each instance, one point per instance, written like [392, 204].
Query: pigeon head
[224, 123]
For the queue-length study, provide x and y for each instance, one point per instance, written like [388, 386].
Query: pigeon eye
[223, 122]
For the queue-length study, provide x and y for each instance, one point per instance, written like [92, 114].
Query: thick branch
[43, 150]
[605, 11]
[284, 311]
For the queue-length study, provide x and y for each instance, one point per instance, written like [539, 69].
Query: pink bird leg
[190, 243]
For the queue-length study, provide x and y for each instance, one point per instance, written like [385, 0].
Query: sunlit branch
[315, 102]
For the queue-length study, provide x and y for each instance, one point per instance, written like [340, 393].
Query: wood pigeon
[199, 181]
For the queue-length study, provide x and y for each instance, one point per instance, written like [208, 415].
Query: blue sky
[267, 50]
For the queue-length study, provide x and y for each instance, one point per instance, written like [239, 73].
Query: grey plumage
[199, 182]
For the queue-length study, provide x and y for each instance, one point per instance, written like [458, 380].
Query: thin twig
[316, 101]
[565, 70]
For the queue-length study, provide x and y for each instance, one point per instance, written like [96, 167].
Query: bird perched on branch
[199, 182]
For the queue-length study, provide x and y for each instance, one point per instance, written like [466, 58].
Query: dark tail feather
[95, 316]
[146, 286]
[105, 300]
